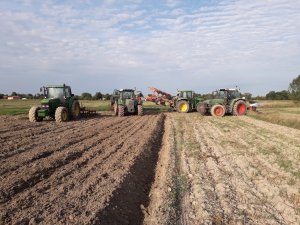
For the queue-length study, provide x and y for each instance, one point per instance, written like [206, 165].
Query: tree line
[83, 96]
[292, 93]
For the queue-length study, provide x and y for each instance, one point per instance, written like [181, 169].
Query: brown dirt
[91, 171]
[231, 170]
[156, 169]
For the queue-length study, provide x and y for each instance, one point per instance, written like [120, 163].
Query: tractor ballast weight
[59, 103]
[186, 101]
[127, 101]
[224, 101]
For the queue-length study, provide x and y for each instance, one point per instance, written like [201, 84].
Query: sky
[98, 45]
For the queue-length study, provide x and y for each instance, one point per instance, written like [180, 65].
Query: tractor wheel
[218, 111]
[202, 109]
[183, 107]
[33, 114]
[140, 110]
[61, 114]
[239, 108]
[115, 109]
[75, 110]
[121, 111]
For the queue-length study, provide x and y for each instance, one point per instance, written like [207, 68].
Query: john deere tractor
[127, 101]
[224, 101]
[186, 101]
[59, 103]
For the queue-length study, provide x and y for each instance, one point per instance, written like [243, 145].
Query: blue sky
[98, 45]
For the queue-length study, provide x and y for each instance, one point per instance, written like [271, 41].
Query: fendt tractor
[186, 101]
[127, 101]
[59, 103]
[224, 101]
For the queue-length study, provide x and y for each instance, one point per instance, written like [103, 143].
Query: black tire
[218, 111]
[202, 109]
[116, 109]
[33, 114]
[182, 106]
[121, 111]
[140, 110]
[75, 110]
[61, 114]
[239, 108]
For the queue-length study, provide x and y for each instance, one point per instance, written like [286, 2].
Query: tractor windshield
[127, 94]
[186, 94]
[221, 94]
[234, 94]
[55, 92]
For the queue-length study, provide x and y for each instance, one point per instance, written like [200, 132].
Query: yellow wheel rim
[183, 107]
[64, 115]
[77, 110]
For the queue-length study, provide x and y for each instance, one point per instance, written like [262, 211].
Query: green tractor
[224, 101]
[59, 103]
[186, 101]
[127, 101]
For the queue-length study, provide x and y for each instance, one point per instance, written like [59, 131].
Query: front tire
[140, 110]
[217, 111]
[239, 108]
[75, 110]
[33, 114]
[121, 111]
[183, 107]
[61, 114]
[115, 109]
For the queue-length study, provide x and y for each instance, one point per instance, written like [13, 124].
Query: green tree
[1, 96]
[86, 96]
[247, 95]
[271, 95]
[294, 89]
[98, 96]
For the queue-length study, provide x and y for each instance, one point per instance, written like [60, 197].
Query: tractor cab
[127, 93]
[61, 92]
[185, 94]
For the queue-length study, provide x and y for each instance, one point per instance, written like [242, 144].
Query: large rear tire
[33, 114]
[75, 111]
[182, 107]
[239, 108]
[61, 114]
[202, 109]
[140, 110]
[217, 111]
[121, 111]
[115, 109]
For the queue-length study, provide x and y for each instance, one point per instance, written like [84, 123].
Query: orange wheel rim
[218, 111]
[241, 109]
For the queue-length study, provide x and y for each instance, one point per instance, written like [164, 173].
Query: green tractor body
[224, 101]
[186, 101]
[127, 101]
[59, 103]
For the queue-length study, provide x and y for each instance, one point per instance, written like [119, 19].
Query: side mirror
[41, 89]
[72, 95]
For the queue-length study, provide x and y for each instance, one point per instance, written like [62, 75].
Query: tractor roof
[57, 86]
[121, 90]
[228, 89]
[185, 90]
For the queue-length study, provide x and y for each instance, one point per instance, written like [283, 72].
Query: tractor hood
[47, 101]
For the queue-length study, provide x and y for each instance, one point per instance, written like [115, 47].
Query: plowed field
[231, 170]
[167, 168]
[78, 172]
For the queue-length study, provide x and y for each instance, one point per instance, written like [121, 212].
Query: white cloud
[233, 42]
